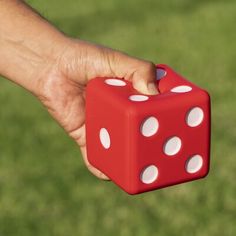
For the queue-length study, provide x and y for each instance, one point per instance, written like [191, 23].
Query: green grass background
[45, 188]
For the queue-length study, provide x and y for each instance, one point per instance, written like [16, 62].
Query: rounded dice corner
[131, 191]
[162, 66]
[205, 94]
[206, 172]
[93, 81]
[136, 191]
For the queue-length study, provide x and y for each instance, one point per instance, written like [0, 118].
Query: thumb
[144, 78]
[141, 73]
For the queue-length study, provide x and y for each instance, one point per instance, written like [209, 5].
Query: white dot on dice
[149, 174]
[104, 138]
[138, 98]
[195, 117]
[160, 73]
[172, 146]
[149, 126]
[115, 82]
[194, 164]
[181, 89]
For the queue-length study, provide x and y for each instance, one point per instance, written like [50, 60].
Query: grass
[45, 188]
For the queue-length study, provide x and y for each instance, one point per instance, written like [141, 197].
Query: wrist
[28, 44]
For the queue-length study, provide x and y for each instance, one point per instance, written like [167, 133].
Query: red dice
[145, 142]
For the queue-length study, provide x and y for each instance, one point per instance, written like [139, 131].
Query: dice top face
[148, 142]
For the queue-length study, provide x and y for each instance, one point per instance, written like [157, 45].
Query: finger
[144, 79]
[79, 135]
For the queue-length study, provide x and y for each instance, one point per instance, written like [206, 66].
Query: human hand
[56, 69]
[62, 84]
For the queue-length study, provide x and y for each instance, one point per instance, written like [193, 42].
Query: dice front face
[171, 140]
[148, 142]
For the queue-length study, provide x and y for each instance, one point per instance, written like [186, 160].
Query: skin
[56, 68]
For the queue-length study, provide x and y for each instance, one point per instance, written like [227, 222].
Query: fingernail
[103, 176]
[152, 89]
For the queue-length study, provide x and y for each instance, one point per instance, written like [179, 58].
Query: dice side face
[179, 150]
[168, 79]
[107, 130]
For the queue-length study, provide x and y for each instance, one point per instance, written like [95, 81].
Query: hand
[38, 57]
[61, 85]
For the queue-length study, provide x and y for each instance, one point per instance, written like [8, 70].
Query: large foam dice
[145, 142]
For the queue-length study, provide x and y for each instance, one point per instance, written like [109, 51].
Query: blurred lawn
[45, 188]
